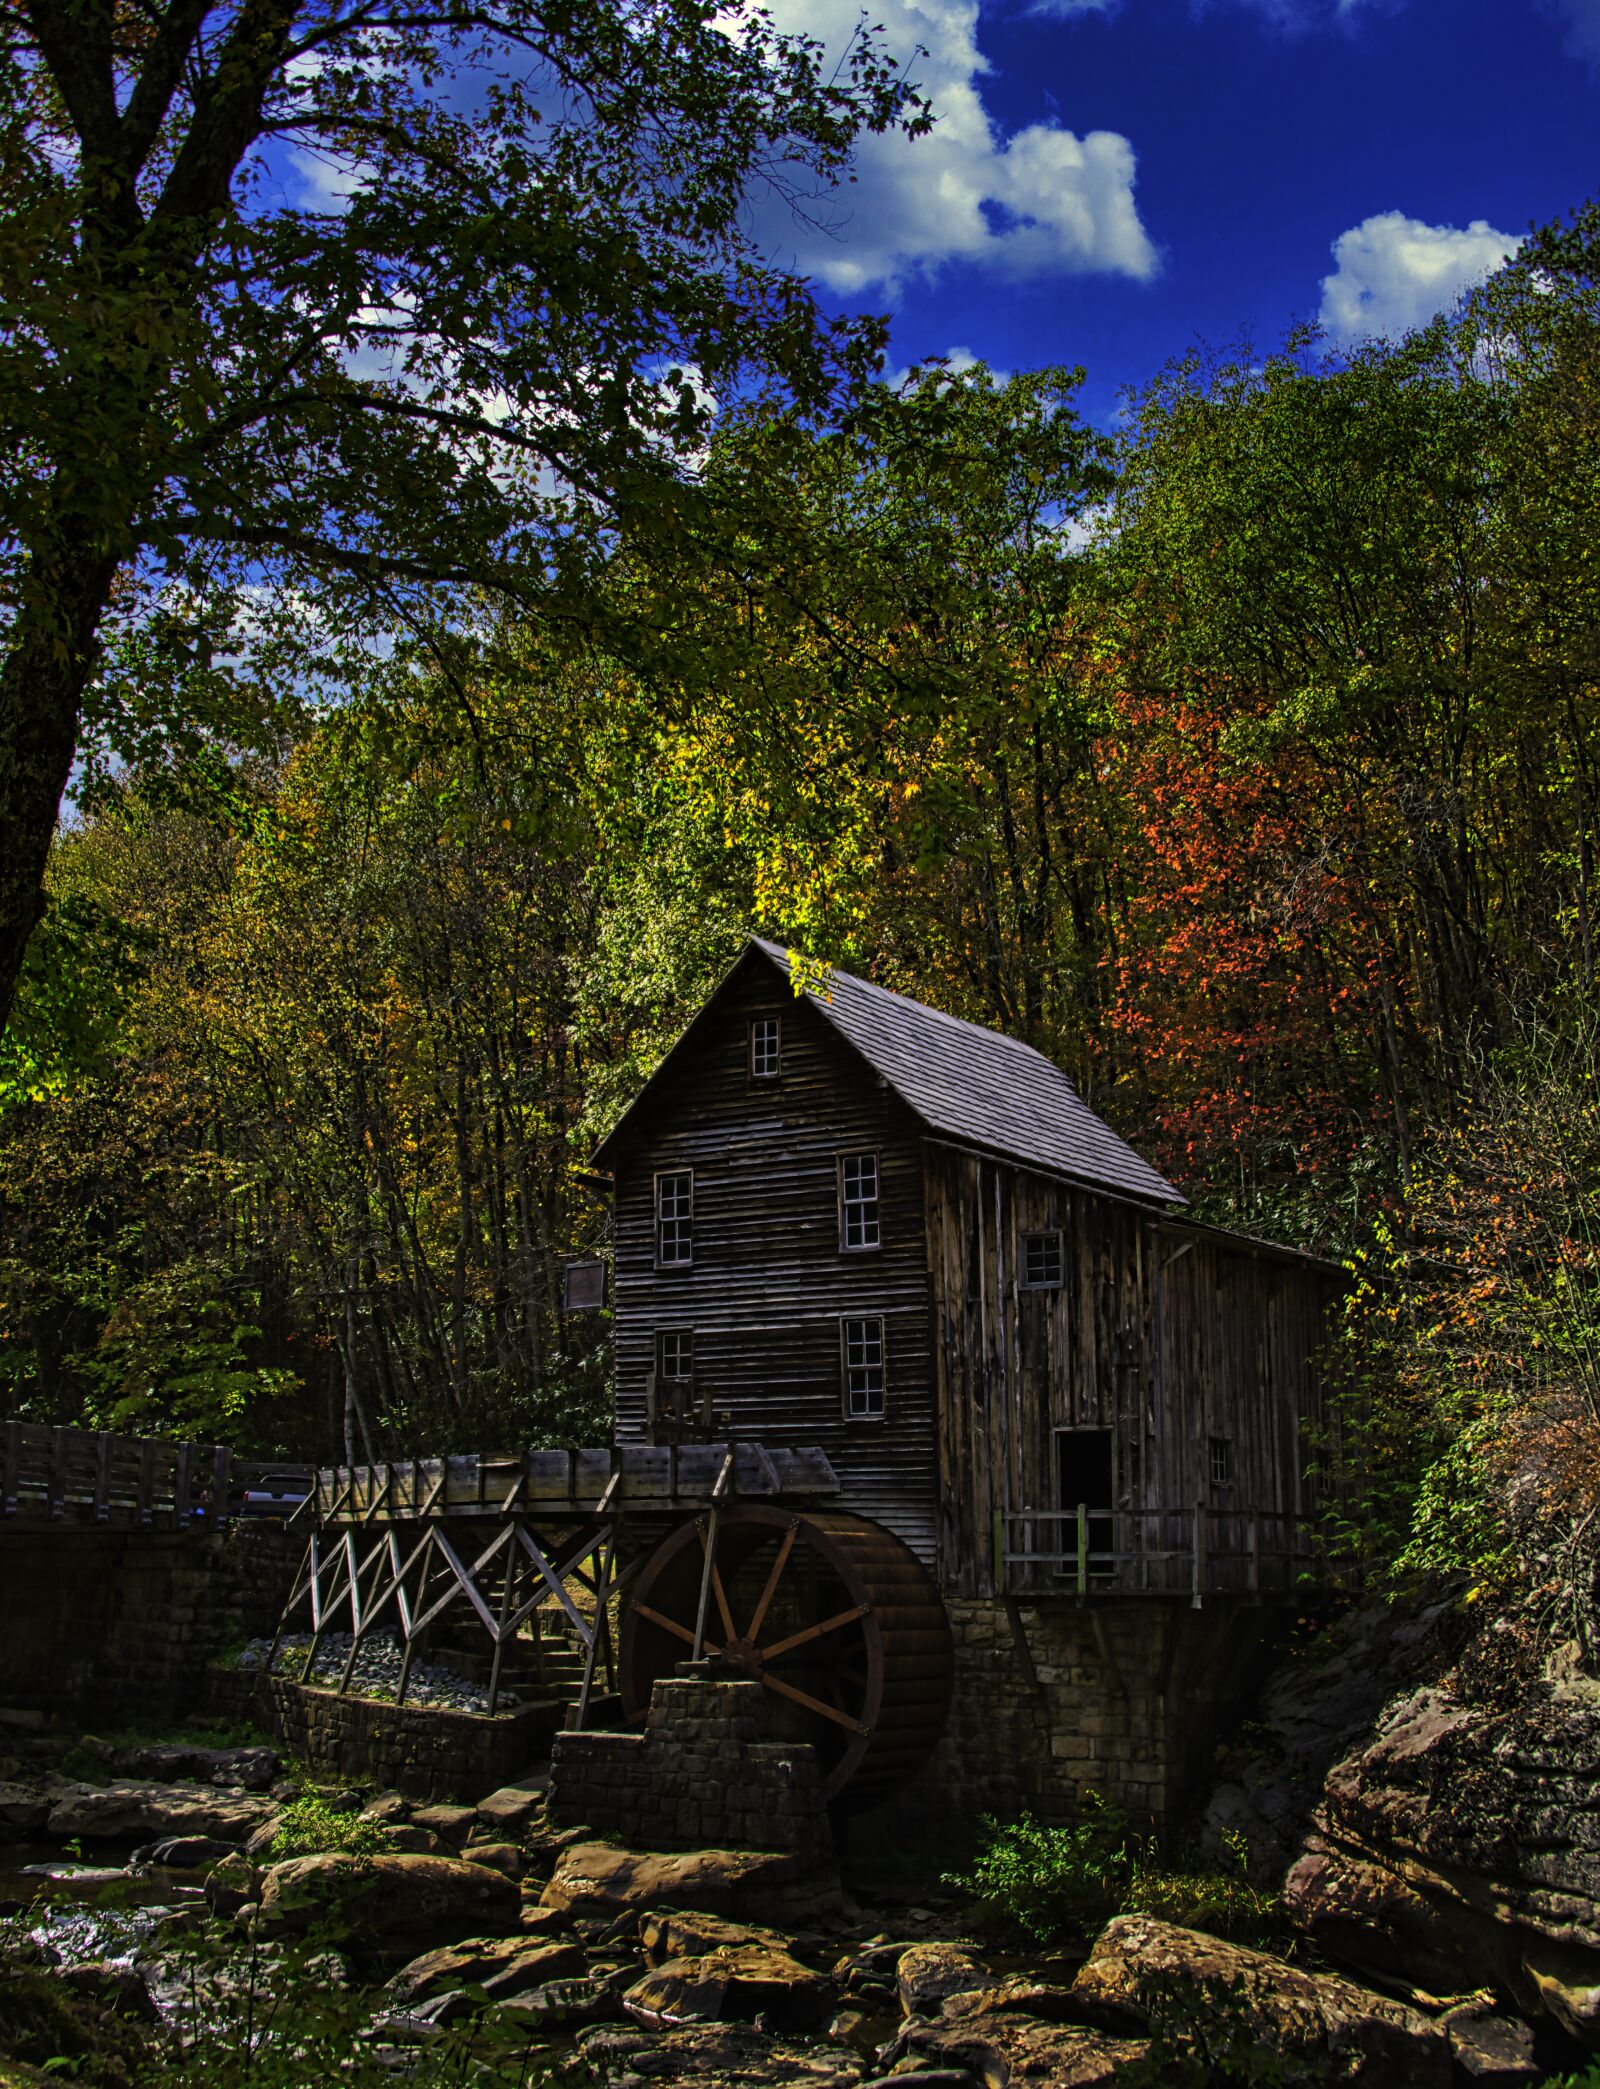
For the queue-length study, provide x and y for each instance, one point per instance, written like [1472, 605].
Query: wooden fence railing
[1194, 1551]
[54, 1476]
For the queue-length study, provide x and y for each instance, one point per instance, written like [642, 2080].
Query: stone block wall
[702, 1775]
[1054, 1699]
[426, 1751]
[106, 1628]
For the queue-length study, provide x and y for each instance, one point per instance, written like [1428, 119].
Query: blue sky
[1116, 179]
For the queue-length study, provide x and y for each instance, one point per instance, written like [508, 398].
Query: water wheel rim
[821, 1535]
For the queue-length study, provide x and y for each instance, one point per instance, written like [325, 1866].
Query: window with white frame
[675, 1373]
[858, 1201]
[1041, 1262]
[675, 1219]
[766, 1048]
[864, 1386]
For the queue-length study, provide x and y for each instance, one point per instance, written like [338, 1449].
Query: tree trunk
[43, 675]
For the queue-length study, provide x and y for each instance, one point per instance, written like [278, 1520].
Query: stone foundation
[109, 1627]
[701, 1775]
[1055, 1698]
[426, 1751]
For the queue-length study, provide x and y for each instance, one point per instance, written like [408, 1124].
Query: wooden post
[513, 1566]
[182, 1479]
[1199, 1555]
[1083, 1548]
[602, 1591]
[102, 1476]
[147, 1478]
[708, 1538]
[13, 1469]
[58, 1474]
[999, 1561]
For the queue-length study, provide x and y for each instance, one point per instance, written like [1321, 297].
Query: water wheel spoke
[671, 1625]
[800, 1639]
[812, 1704]
[760, 1616]
[721, 1595]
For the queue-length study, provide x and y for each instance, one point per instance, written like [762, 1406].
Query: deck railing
[1196, 1551]
[93, 1476]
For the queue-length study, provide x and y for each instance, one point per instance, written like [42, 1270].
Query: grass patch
[309, 1826]
[1064, 1883]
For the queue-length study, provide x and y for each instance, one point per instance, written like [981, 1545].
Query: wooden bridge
[91, 1477]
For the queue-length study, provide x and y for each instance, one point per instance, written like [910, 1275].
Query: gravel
[376, 1673]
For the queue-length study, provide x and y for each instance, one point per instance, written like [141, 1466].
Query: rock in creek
[184, 1852]
[510, 1812]
[23, 1813]
[118, 1988]
[731, 2056]
[452, 1824]
[1003, 2048]
[927, 1973]
[503, 1966]
[1463, 1844]
[129, 1811]
[1142, 1972]
[388, 1903]
[251, 1769]
[592, 1878]
[499, 1856]
[680, 1933]
[233, 1884]
[733, 1985]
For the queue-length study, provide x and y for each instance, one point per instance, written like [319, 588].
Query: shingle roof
[980, 1087]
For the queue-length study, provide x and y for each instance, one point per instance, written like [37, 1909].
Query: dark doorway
[1083, 1474]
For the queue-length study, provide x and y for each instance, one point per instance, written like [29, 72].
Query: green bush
[310, 1825]
[1055, 1882]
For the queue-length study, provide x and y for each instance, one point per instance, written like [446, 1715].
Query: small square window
[1041, 1261]
[675, 1219]
[864, 1383]
[1222, 1461]
[675, 1353]
[858, 1201]
[766, 1048]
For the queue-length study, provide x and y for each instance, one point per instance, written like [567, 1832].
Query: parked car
[272, 1490]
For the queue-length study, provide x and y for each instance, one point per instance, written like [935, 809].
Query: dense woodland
[1246, 761]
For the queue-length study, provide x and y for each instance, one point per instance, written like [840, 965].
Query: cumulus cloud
[1040, 202]
[1583, 28]
[1394, 273]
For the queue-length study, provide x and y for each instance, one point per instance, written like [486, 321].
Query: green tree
[247, 415]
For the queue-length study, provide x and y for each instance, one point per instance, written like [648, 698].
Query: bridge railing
[52, 1475]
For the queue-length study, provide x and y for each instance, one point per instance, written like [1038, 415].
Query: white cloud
[956, 359]
[1395, 273]
[1072, 10]
[1042, 202]
[1583, 28]
[1298, 17]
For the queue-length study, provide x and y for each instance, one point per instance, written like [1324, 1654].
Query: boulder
[510, 1812]
[418, 1842]
[111, 1985]
[680, 1933]
[1004, 2048]
[184, 1852]
[927, 1973]
[1144, 1974]
[563, 2003]
[129, 1811]
[594, 1879]
[505, 1966]
[1461, 1842]
[728, 2056]
[1021, 1995]
[499, 1856]
[387, 1903]
[23, 1813]
[734, 1985]
[391, 1808]
[233, 1884]
[248, 1769]
[1490, 2051]
[452, 1824]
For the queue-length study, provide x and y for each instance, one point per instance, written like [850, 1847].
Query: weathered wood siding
[769, 1283]
[1161, 1333]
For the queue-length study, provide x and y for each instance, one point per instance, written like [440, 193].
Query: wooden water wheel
[832, 1615]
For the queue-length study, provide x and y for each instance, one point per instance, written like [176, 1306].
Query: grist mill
[941, 1432]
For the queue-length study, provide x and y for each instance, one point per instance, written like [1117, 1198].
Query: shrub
[1223, 1901]
[310, 1825]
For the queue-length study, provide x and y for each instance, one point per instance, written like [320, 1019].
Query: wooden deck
[1196, 1551]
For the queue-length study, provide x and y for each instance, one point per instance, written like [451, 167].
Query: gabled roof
[974, 1086]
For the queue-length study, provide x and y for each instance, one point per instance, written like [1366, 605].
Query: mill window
[858, 1201]
[675, 1373]
[1222, 1461]
[766, 1048]
[864, 1393]
[675, 1219]
[1041, 1262]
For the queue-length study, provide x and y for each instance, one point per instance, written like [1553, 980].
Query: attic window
[766, 1048]
[675, 1219]
[1041, 1262]
[862, 1344]
[1222, 1461]
[858, 1201]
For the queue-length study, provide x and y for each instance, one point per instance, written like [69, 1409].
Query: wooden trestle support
[395, 1546]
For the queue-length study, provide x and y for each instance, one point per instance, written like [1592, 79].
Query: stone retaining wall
[426, 1751]
[1057, 1698]
[702, 1775]
[109, 1627]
